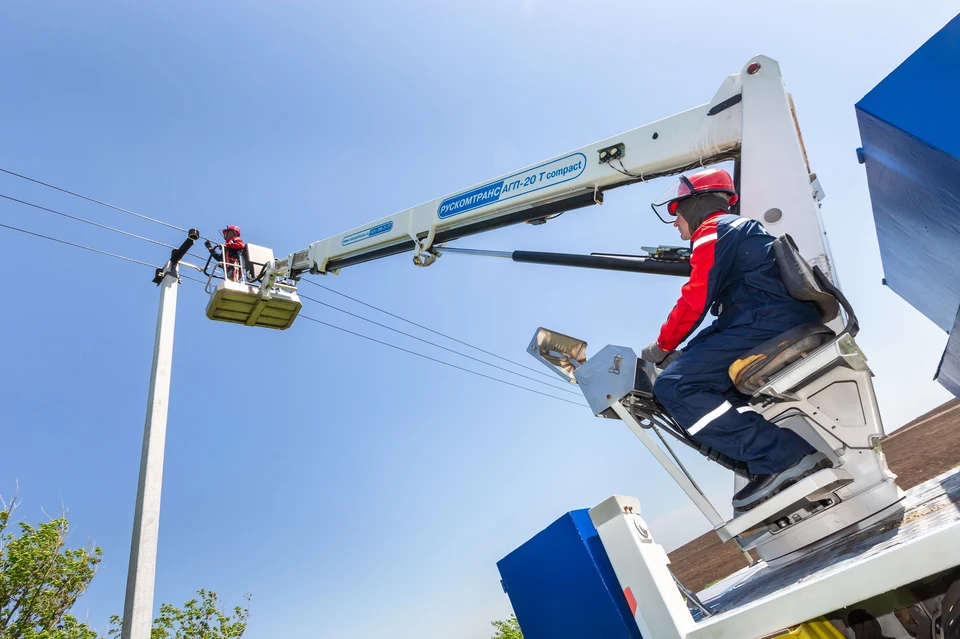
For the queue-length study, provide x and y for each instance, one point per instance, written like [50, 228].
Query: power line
[172, 226]
[184, 276]
[312, 319]
[439, 361]
[95, 201]
[428, 329]
[449, 350]
[80, 246]
[92, 223]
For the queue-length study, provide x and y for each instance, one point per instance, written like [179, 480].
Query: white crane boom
[750, 119]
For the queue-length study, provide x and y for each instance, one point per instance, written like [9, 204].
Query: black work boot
[763, 487]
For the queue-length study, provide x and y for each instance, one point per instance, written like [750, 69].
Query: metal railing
[239, 272]
[224, 269]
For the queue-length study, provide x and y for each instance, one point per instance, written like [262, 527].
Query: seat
[754, 368]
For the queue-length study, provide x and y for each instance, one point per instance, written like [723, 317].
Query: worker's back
[749, 289]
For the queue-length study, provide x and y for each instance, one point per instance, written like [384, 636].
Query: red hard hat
[708, 181]
[235, 229]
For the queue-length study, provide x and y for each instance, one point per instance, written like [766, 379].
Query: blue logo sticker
[367, 233]
[539, 177]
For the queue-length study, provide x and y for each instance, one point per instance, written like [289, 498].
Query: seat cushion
[757, 366]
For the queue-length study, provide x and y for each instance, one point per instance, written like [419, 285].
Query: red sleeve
[694, 299]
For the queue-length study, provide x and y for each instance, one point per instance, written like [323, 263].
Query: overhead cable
[173, 226]
[331, 306]
[439, 361]
[425, 341]
[94, 200]
[80, 246]
[428, 329]
[306, 317]
[92, 223]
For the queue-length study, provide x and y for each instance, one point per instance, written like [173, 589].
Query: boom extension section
[706, 134]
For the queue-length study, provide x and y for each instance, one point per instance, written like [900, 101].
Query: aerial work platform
[241, 303]
[238, 297]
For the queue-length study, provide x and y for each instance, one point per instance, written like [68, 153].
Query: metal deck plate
[242, 304]
[928, 507]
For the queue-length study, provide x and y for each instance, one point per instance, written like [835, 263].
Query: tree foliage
[40, 580]
[201, 618]
[507, 629]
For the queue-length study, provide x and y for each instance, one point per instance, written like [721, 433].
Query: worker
[733, 275]
[230, 253]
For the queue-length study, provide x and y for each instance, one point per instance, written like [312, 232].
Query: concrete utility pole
[138, 603]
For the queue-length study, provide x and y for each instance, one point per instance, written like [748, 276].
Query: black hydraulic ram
[633, 264]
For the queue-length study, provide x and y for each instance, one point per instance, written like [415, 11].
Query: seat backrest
[800, 280]
[255, 259]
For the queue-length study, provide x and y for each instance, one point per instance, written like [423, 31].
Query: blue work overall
[735, 276]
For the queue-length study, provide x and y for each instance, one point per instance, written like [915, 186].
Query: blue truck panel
[562, 586]
[921, 95]
[910, 132]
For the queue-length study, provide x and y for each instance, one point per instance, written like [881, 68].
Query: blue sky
[358, 491]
